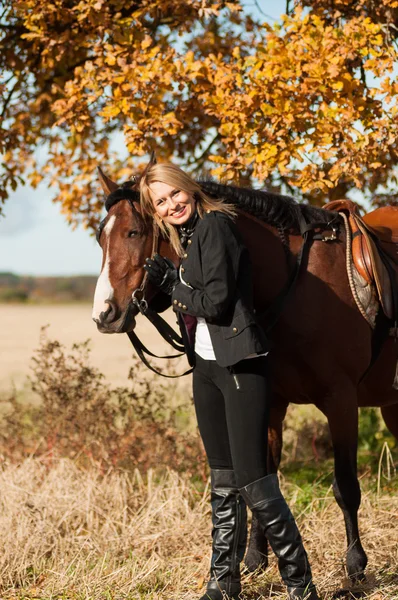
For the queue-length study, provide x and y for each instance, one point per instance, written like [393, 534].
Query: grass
[90, 508]
[76, 533]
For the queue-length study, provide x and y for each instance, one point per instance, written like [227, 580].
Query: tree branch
[199, 162]
[8, 99]
[260, 10]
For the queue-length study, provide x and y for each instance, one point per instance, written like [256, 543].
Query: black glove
[162, 273]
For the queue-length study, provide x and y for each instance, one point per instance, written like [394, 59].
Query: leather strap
[167, 334]
[142, 350]
[273, 312]
[164, 329]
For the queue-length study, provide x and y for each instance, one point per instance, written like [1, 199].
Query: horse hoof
[255, 561]
[358, 577]
[356, 564]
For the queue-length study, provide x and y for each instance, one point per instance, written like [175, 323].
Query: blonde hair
[176, 177]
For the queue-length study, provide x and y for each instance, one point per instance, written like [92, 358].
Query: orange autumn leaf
[308, 104]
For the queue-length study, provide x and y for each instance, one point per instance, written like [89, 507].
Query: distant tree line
[22, 288]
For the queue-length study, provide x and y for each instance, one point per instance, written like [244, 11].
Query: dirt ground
[20, 332]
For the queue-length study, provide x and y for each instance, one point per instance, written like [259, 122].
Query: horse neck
[166, 249]
[270, 265]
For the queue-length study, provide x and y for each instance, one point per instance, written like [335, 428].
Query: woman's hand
[162, 273]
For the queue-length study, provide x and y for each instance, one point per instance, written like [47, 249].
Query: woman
[212, 293]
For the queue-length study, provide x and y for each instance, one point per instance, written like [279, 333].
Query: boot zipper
[236, 539]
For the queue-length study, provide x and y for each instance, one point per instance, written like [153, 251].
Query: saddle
[375, 250]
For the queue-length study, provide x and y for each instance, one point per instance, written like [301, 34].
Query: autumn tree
[308, 104]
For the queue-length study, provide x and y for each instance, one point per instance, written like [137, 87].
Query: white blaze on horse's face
[104, 290]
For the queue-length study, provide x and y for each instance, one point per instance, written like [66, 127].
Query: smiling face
[171, 204]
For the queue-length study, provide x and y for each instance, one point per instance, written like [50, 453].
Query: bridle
[140, 302]
[138, 299]
[127, 192]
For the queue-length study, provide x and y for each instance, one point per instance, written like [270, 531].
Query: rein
[162, 327]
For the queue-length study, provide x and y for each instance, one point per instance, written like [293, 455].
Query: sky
[35, 238]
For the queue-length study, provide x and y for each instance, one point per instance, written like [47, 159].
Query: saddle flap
[380, 274]
[383, 222]
[372, 234]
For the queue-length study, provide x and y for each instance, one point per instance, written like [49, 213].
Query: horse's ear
[107, 184]
[152, 161]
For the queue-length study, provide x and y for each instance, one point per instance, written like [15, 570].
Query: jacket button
[184, 307]
[175, 301]
[180, 304]
[189, 242]
[185, 255]
[235, 330]
[182, 269]
[187, 282]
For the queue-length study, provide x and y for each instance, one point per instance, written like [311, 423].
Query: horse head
[126, 239]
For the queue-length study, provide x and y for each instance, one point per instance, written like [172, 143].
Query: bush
[80, 416]
[307, 437]
[13, 295]
[372, 432]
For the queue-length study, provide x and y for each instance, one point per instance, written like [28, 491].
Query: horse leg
[341, 411]
[257, 551]
[390, 416]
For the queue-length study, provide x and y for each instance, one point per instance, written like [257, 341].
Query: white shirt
[203, 343]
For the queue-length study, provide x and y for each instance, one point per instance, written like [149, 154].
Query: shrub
[79, 416]
[373, 432]
[13, 295]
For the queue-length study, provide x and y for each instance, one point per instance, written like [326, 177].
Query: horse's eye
[133, 233]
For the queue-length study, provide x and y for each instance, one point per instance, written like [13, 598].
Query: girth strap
[273, 312]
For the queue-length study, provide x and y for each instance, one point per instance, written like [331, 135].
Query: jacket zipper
[235, 377]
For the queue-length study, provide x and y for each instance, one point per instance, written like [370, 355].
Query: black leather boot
[267, 503]
[229, 536]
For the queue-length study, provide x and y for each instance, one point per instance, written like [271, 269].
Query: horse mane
[274, 209]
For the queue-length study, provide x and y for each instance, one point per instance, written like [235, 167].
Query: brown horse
[322, 344]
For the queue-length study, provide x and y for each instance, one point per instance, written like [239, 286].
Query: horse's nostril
[110, 314]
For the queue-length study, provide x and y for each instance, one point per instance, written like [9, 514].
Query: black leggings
[233, 423]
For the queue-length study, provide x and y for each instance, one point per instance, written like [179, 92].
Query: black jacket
[216, 265]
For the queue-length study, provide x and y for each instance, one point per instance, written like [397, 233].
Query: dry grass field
[69, 323]
[90, 508]
[80, 534]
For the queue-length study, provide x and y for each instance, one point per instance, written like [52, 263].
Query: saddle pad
[380, 275]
